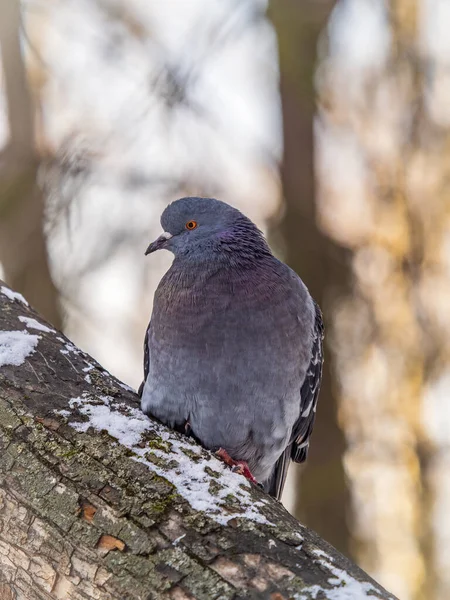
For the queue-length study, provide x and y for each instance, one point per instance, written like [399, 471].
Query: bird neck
[240, 246]
[214, 258]
[211, 282]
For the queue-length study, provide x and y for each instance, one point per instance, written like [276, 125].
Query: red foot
[238, 466]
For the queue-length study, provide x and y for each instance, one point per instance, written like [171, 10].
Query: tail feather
[275, 484]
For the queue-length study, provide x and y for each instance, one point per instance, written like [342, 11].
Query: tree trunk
[322, 499]
[98, 501]
[23, 251]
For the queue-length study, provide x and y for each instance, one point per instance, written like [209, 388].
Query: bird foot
[237, 466]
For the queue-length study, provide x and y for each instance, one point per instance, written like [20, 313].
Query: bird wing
[302, 430]
[297, 449]
[146, 362]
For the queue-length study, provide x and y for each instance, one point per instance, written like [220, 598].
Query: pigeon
[233, 351]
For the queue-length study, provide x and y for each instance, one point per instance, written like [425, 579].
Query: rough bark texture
[82, 516]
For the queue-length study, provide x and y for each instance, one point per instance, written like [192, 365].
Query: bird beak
[158, 243]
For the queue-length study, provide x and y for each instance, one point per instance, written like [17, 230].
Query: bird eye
[191, 225]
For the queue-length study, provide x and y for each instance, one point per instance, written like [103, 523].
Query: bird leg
[237, 466]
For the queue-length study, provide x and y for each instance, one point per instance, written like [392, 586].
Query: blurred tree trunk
[322, 494]
[23, 252]
[391, 332]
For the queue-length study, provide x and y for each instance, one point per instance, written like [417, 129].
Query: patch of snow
[322, 554]
[189, 478]
[68, 347]
[345, 587]
[127, 429]
[15, 346]
[80, 427]
[63, 413]
[178, 540]
[88, 368]
[272, 543]
[126, 387]
[88, 378]
[13, 295]
[71, 348]
[33, 324]
[311, 593]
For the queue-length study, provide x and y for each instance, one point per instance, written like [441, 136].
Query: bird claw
[237, 466]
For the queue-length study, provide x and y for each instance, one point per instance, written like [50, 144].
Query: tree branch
[98, 501]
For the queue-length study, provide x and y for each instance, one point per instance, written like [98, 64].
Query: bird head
[202, 227]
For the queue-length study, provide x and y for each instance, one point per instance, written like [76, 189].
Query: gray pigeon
[233, 351]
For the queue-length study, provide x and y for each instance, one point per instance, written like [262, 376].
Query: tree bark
[23, 251]
[98, 501]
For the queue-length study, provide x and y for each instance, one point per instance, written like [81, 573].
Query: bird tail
[275, 484]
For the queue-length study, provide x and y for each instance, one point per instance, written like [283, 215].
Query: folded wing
[297, 450]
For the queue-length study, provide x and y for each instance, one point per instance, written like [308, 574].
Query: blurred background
[328, 123]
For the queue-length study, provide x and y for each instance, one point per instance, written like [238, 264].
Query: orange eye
[191, 225]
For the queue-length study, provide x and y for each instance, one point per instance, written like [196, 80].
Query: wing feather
[146, 362]
[297, 450]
